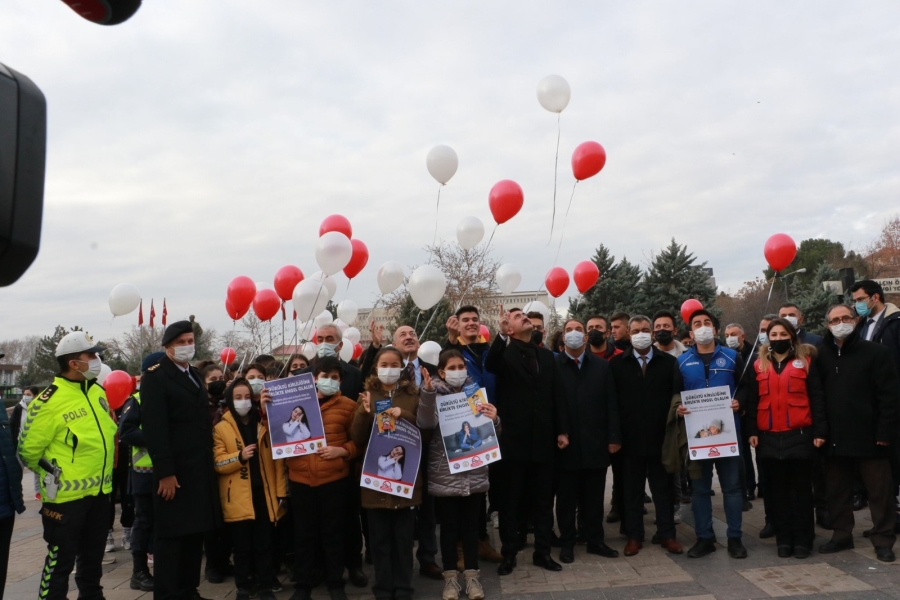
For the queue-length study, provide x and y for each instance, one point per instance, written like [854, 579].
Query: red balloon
[266, 304]
[689, 307]
[588, 160]
[286, 279]
[241, 292]
[336, 223]
[484, 332]
[780, 251]
[358, 259]
[506, 200]
[557, 281]
[357, 350]
[233, 312]
[118, 385]
[227, 355]
[585, 275]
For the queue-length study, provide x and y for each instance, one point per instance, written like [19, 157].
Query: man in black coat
[590, 398]
[530, 400]
[178, 432]
[793, 314]
[862, 401]
[646, 380]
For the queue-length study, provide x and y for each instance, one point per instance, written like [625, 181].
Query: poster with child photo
[392, 459]
[470, 440]
[295, 419]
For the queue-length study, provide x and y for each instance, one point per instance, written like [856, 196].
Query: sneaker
[110, 542]
[736, 548]
[677, 514]
[451, 585]
[149, 560]
[495, 520]
[108, 560]
[473, 586]
[126, 538]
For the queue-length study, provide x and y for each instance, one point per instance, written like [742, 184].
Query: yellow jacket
[234, 476]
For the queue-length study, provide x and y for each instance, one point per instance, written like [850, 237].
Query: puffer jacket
[313, 470]
[441, 482]
[234, 476]
[406, 398]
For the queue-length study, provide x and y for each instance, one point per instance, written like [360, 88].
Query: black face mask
[216, 389]
[664, 337]
[537, 337]
[780, 346]
[596, 337]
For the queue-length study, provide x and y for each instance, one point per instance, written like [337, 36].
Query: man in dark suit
[594, 434]
[793, 314]
[530, 397]
[178, 432]
[646, 381]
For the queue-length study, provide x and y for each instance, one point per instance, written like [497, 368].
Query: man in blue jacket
[707, 364]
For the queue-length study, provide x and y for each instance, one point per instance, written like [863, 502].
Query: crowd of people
[820, 413]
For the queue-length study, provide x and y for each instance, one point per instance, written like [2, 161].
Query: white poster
[710, 424]
[470, 439]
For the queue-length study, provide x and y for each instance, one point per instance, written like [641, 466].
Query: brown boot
[487, 552]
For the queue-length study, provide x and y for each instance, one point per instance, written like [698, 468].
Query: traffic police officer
[68, 439]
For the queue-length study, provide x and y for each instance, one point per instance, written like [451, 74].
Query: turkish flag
[141, 314]
[152, 313]
[165, 312]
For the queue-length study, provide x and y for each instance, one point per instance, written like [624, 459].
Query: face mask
[642, 340]
[389, 376]
[862, 309]
[732, 341]
[27, 399]
[93, 370]
[457, 378]
[183, 354]
[256, 385]
[596, 337]
[664, 337]
[841, 330]
[325, 349]
[762, 339]
[216, 389]
[574, 340]
[704, 335]
[793, 321]
[137, 386]
[780, 346]
[537, 337]
[242, 407]
[329, 387]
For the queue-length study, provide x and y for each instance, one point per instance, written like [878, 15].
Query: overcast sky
[207, 139]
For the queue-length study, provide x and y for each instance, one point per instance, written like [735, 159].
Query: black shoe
[506, 567]
[554, 540]
[655, 539]
[749, 495]
[767, 531]
[859, 502]
[747, 506]
[567, 555]
[801, 552]
[142, 580]
[702, 548]
[884, 554]
[613, 516]
[647, 498]
[215, 576]
[823, 519]
[242, 594]
[830, 547]
[545, 561]
[602, 550]
[338, 593]
[301, 595]
[868, 532]
[431, 571]
[357, 577]
[712, 492]
[736, 548]
[784, 551]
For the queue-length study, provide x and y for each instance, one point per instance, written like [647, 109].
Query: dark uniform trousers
[573, 485]
[176, 570]
[524, 481]
[74, 529]
[141, 531]
[876, 476]
[635, 471]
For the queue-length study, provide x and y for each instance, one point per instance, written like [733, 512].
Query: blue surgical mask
[325, 349]
[862, 309]
[329, 387]
[763, 339]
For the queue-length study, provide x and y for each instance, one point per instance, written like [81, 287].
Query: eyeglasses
[839, 320]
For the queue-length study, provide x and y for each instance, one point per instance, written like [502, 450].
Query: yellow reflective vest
[140, 457]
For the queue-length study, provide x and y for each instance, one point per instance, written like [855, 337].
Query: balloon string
[555, 173]
[562, 234]
[756, 339]
[436, 214]
[416, 324]
[489, 241]
[433, 314]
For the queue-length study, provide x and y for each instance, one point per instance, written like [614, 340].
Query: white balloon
[305, 330]
[353, 335]
[553, 92]
[104, 371]
[333, 252]
[309, 298]
[330, 283]
[323, 318]
[123, 299]
[390, 276]
[427, 286]
[442, 163]
[538, 306]
[342, 327]
[347, 311]
[308, 350]
[469, 232]
[430, 352]
[508, 278]
[346, 350]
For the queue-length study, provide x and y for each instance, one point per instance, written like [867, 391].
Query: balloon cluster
[586, 274]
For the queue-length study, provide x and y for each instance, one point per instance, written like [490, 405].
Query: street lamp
[784, 279]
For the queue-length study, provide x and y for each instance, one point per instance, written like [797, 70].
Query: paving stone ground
[653, 573]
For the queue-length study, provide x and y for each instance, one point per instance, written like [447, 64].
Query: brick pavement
[651, 574]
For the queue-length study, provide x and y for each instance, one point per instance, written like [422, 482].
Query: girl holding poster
[391, 520]
[458, 497]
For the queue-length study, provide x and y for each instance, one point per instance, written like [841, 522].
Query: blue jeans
[729, 470]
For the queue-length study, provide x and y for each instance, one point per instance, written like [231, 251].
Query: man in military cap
[178, 433]
[68, 440]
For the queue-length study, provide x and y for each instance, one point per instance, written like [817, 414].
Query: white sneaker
[495, 520]
[473, 587]
[451, 586]
[126, 538]
[678, 515]
[108, 560]
[110, 542]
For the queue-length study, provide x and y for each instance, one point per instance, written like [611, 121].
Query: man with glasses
[880, 320]
[862, 401]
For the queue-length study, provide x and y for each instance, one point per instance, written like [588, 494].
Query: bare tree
[750, 303]
[19, 351]
[130, 348]
[883, 254]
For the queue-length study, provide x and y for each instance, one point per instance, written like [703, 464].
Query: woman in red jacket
[787, 424]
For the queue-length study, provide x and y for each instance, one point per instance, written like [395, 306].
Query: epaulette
[153, 368]
[51, 389]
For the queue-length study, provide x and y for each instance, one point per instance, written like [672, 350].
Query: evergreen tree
[43, 366]
[672, 278]
[616, 290]
[813, 299]
[409, 314]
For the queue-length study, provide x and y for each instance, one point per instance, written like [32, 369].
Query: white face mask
[732, 341]
[93, 370]
[183, 354]
[242, 407]
[704, 335]
[256, 385]
[325, 349]
[763, 339]
[642, 340]
[841, 330]
[329, 387]
[389, 376]
[456, 378]
[27, 399]
[793, 321]
[574, 340]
